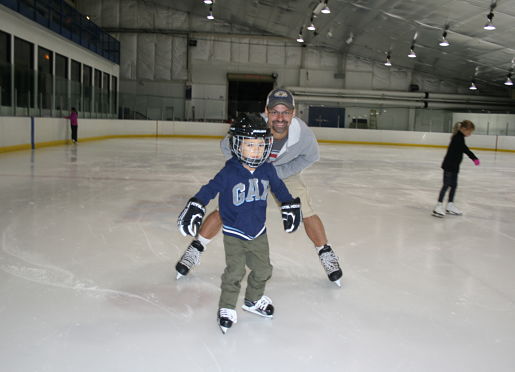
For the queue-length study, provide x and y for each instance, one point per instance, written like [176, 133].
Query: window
[114, 95]
[42, 13]
[45, 78]
[86, 83]
[61, 82]
[5, 69]
[26, 7]
[97, 89]
[105, 93]
[24, 73]
[75, 91]
[56, 16]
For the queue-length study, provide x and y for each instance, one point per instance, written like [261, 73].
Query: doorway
[247, 93]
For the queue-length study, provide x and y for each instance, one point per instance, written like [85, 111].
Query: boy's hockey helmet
[250, 126]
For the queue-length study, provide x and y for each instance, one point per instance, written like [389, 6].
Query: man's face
[279, 119]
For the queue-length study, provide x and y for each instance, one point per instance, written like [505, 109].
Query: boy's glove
[291, 214]
[476, 161]
[191, 217]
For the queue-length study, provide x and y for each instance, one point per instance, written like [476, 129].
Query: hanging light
[326, 9]
[210, 15]
[312, 27]
[508, 81]
[388, 62]
[472, 86]
[300, 39]
[490, 24]
[443, 42]
[208, 2]
[412, 52]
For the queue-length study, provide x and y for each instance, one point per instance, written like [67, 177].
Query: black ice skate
[226, 318]
[262, 307]
[190, 258]
[330, 263]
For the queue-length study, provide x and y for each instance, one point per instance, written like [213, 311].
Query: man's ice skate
[439, 211]
[452, 209]
[262, 307]
[190, 258]
[226, 318]
[330, 263]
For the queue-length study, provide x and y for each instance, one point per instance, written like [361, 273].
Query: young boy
[243, 185]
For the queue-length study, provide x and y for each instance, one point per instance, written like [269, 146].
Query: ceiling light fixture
[326, 9]
[412, 52]
[210, 15]
[443, 42]
[388, 62]
[472, 86]
[508, 81]
[490, 24]
[208, 2]
[300, 39]
[312, 27]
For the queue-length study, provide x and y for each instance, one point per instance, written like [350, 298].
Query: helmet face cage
[236, 142]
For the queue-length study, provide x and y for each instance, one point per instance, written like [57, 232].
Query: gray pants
[238, 254]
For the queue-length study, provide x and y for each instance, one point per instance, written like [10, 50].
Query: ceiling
[373, 28]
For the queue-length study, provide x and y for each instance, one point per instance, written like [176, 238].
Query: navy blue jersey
[242, 199]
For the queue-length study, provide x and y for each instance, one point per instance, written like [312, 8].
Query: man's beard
[282, 128]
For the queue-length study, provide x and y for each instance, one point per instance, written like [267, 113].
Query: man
[294, 149]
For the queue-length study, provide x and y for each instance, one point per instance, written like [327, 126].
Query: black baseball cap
[280, 97]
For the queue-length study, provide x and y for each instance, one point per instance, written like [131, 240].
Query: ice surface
[89, 243]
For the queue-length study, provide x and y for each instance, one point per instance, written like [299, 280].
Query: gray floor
[88, 244]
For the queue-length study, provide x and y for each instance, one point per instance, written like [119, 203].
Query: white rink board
[56, 129]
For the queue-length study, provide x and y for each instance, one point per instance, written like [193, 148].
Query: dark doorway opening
[247, 93]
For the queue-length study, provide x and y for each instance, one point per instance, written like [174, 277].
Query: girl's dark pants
[450, 180]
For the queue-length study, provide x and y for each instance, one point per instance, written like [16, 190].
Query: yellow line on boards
[403, 144]
[201, 136]
[15, 148]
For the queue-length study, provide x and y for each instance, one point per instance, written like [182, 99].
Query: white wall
[16, 131]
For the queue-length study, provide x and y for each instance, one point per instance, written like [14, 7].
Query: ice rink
[89, 243]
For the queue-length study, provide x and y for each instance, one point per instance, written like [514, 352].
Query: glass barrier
[56, 100]
[34, 93]
[138, 107]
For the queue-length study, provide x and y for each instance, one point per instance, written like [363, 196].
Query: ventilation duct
[361, 97]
